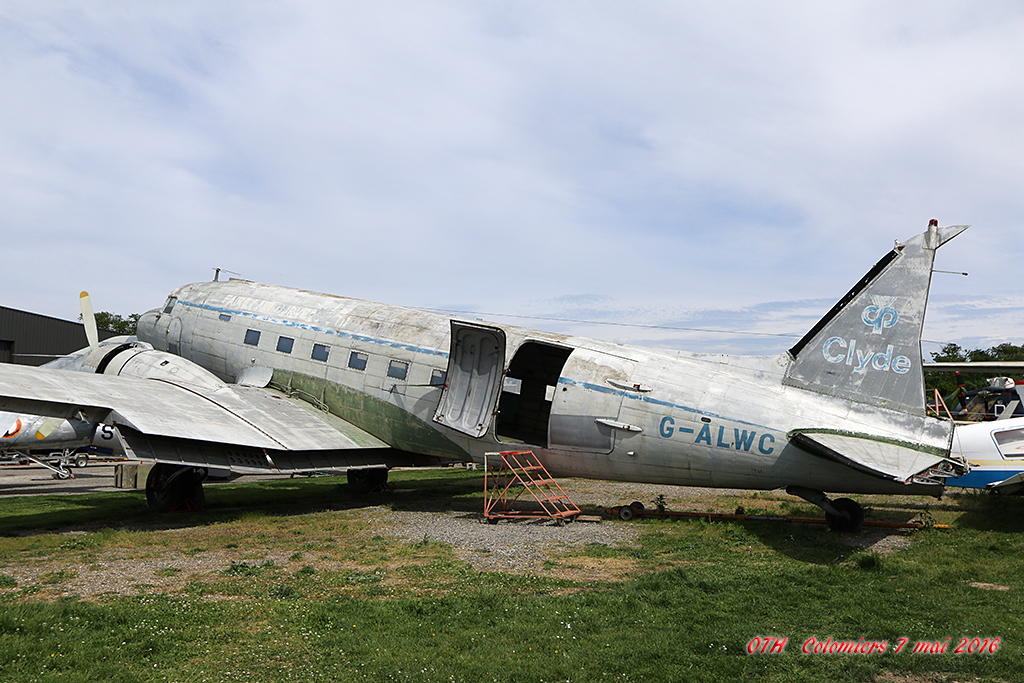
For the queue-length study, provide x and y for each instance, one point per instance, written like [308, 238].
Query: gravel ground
[521, 546]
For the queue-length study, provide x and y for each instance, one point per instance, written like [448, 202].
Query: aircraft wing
[246, 418]
[1010, 366]
[879, 456]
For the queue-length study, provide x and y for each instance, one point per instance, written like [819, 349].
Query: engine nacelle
[140, 360]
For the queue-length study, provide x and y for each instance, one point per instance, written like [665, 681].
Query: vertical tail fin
[868, 347]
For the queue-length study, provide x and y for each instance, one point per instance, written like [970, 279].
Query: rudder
[868, 347]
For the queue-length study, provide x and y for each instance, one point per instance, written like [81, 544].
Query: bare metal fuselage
[587, 408]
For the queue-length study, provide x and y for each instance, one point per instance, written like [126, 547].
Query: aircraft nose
[146, 328]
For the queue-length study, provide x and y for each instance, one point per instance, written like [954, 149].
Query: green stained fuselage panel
[388, 422]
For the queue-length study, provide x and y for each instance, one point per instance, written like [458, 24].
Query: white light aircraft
[259, 378]
[995, 453]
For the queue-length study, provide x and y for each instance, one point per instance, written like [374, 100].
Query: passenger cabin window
[357, 361]
[171, 300]
[225, 317]
[398, 369]
[437, 377]
[252, 337]
[320, 352]
[285, 344]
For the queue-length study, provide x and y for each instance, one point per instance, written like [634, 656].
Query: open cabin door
[476, 362]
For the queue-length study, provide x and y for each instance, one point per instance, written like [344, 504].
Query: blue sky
[733, 167]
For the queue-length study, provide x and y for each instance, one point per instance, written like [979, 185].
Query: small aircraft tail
[868, 347]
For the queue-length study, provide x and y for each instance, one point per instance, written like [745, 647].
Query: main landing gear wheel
[168, 487]
[367, 480]
[851, 516]
[841, 514]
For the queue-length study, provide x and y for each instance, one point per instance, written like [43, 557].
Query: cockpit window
[171, 300]
[1011, 443]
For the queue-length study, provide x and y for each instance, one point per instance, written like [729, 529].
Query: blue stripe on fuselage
[444, 354]
[653, 401]
[315, 328]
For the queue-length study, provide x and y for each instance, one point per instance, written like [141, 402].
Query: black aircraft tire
[165, 492]
[840, 523]
[367, 480]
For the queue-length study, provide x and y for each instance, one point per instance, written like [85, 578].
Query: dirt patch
[988, 586]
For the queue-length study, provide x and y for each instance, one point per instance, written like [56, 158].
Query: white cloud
[671, 162]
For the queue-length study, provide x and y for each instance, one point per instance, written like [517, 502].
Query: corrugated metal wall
[23, 336]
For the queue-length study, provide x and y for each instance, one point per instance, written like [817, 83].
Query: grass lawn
[349, 604]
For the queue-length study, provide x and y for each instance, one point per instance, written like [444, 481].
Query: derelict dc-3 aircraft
[260, 378]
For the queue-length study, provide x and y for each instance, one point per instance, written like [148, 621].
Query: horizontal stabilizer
[881, 457]
[1012, 485]
[1009, 367]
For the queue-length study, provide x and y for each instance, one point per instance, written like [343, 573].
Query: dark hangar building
[33, 339]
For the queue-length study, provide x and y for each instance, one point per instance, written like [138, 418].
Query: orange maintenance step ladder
[508, 474]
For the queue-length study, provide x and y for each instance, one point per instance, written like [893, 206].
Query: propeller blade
[89, 320]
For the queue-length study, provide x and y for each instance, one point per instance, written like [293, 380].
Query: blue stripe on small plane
[980, 477]
[315, 328]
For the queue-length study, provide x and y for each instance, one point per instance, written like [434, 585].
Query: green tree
[116, 323]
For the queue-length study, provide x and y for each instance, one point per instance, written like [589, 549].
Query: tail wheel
[851, 522]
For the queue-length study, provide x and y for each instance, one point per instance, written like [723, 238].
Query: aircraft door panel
[476, 362]
[173, 338]
[580, 432]
[586, 402]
